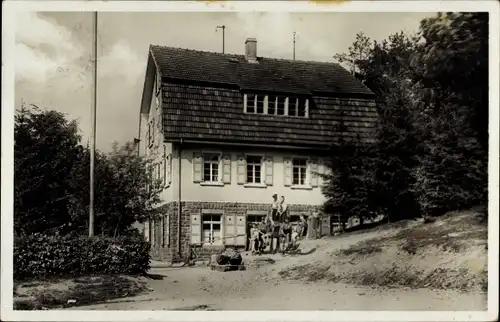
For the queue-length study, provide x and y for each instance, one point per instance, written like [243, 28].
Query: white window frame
[262, 172]
[289, 102]
[212, 241]
[219, 168]
[275, 103]
[305, 168]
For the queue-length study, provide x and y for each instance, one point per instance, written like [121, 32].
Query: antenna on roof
[294, 33]
[223, 27]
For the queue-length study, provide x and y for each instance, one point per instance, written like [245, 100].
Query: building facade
[226, 132]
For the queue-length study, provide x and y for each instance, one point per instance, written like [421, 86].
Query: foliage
[41, 255]
[45, 151]
[358, 52]
[431, 150]
[122, 190]
[52, 173]
[350, 184]
[452, 70]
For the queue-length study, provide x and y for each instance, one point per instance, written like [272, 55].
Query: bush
[42, 255]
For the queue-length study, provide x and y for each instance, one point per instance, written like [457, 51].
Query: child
[302, 231]
[286, 233]
[254, 239]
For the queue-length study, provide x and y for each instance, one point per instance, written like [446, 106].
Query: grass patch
[446, 254]
[39, 295]
[460, 279]
[360, 249]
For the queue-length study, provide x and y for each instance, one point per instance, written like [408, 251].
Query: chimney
[251, 50]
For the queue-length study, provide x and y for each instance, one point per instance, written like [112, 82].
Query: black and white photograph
[267, 160]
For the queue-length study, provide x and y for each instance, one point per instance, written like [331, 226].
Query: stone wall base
[167, 247]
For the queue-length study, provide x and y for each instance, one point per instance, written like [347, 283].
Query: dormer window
[260, 101]
[280, 105]
[276, 105]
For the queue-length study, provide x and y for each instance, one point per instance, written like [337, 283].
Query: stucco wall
[234, 192]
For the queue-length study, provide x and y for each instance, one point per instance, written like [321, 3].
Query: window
[292, 107]
[271, 105]
[281, 105]
[276, 105]
[302, 107]
[254, 219]
[299, 171]
[250, 103]
[254, 169]
[260, 104]
[211, 231]
[211, 167]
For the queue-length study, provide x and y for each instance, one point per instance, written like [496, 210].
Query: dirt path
[197, 288]
[261, 288]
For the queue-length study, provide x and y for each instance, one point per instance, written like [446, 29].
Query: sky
[53, 53]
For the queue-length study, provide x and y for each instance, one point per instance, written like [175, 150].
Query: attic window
[276, 105]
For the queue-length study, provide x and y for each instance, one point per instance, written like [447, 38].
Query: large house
[229, 131]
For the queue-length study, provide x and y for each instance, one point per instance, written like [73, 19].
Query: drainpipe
[179, 208]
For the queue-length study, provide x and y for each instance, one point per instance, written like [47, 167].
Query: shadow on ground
[44, 295]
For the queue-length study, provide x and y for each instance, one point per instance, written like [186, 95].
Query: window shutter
[241, 230]
[162, 231]
[242, 170]
[287, 175]
[168, 179]
[197, 167]
[230, 229]
[149, 133]
[226, 168]
[160, 173]
[167, 230]
[146, 230]
[321, 169]
[195, 229]
[153, 239]
[153, 130]
[269, 170]
[164, 165]
[313, 165]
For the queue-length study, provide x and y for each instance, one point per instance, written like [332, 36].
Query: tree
[51, 184]
[384, 68]
[358, 52]
[349, 185]
[124, 190]
[45, 149]
[451, 67]
[452, 64]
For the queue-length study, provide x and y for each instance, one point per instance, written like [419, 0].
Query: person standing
[316, 222]
[274, 208]
[275, 225]
[286, 234]
[282, 209]
[303, 226]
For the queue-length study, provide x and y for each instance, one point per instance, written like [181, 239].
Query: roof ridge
[241, 55]
[196, 50]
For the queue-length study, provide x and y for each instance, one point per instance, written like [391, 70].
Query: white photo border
[8, 46]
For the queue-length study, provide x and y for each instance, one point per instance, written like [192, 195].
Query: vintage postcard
[246, 161]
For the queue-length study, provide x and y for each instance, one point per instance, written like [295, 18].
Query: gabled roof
[268, 74]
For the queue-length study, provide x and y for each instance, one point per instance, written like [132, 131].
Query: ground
[405, 266]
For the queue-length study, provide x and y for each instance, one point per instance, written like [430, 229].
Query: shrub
[42, 255]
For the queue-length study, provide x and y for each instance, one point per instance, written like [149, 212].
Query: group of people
[276, 230]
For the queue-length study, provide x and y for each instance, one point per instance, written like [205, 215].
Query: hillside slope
[450, 253]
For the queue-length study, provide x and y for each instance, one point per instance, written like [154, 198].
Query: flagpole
[93, 114]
